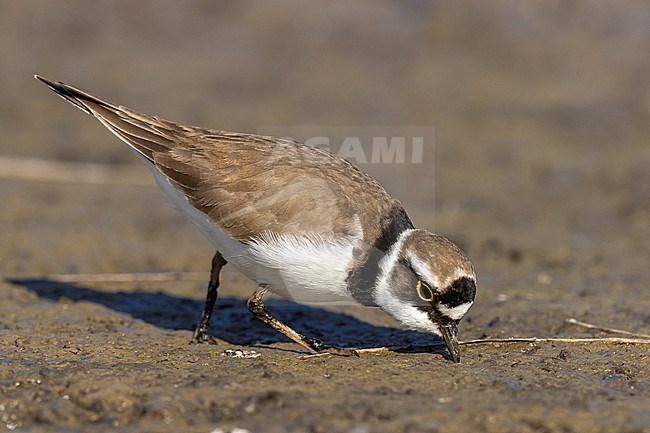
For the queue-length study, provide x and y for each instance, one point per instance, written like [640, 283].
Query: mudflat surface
[541, 158]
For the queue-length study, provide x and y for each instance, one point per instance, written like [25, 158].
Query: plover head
[427, 283]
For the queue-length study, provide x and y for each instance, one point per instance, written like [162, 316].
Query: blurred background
[540, 110]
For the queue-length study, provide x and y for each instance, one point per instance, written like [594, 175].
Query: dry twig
[638, 339]
[121, 277]
[573, 321]
[618, 340]
[613, 340]
[51, 170]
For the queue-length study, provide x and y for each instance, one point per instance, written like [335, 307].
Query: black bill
[450, 334]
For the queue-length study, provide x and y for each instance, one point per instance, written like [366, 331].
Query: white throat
[407, 315]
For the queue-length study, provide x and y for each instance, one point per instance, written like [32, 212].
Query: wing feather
[249, 184]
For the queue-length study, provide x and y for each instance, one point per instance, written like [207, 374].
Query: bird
[299, 221]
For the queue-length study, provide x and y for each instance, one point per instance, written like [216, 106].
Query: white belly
[305, 269]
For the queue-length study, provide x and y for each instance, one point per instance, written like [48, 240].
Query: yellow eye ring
[427, 291]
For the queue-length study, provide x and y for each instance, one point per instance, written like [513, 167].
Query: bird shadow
[233, 323]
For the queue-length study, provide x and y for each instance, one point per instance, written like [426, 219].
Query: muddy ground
[540, 112]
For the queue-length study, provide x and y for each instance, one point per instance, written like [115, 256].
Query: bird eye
[424, 291]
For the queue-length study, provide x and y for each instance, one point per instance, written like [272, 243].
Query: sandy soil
[540, 112]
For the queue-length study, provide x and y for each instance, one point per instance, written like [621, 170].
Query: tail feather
[70, 94]
[145, 134]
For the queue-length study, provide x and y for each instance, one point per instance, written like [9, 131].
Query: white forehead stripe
[455, 313]
[423, 270]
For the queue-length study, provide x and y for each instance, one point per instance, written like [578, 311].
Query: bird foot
[318, 347]
[202, 336]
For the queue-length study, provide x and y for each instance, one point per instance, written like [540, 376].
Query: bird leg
[202, 331]
[259, 310]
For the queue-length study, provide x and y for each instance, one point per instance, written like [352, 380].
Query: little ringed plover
[297, 220]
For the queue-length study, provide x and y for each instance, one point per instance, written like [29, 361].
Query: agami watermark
[364, 144]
